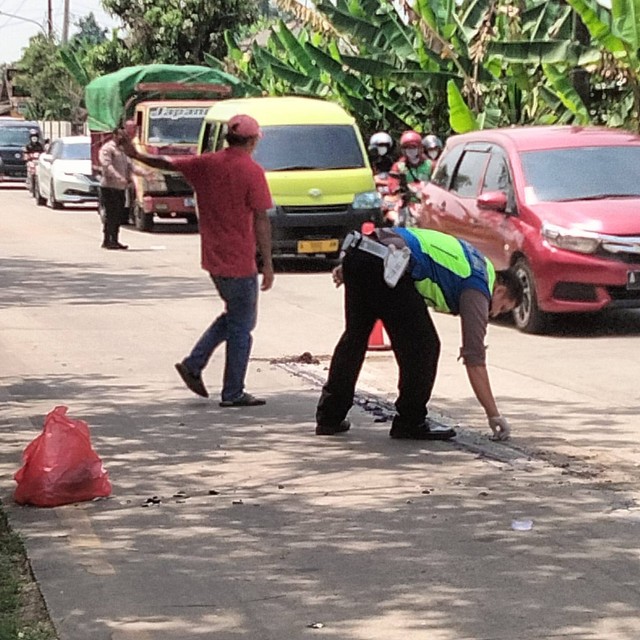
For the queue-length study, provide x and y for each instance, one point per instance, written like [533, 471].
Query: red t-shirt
[230, 188]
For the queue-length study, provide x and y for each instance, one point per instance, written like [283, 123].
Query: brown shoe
[192, 381]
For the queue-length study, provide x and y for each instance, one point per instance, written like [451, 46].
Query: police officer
[442, 272]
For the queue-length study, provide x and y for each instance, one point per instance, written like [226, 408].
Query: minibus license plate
[189, 202]
[633, 280]
[318, 246]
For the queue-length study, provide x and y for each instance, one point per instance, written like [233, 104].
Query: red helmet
[411, 139]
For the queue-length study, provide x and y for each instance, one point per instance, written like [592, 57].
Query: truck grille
[177, 185]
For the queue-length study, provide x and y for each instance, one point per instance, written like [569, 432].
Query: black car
[14, 136]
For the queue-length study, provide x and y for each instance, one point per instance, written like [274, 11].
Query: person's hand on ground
[500, 427]
[337, 275]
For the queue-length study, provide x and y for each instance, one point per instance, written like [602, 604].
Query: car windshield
[175, 125]
[309, 147]
[14, 136]
[77, 151]
[583, 173]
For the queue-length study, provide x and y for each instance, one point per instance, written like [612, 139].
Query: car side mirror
[46, 157]
[493, 201]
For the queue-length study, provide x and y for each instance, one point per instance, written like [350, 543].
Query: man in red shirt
[233, 198]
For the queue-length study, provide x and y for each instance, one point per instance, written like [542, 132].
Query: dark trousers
[413, 337]
[113, 204]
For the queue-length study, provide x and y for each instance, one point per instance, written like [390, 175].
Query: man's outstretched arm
[156, 162]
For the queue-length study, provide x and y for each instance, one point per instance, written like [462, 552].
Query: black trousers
[413, 337]
[113, 203]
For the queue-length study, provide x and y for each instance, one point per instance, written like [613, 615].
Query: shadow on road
[278, 528]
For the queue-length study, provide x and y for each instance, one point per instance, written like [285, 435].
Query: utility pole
[65, 23]
[50, 18]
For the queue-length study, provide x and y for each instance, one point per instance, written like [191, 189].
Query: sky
[15, 33]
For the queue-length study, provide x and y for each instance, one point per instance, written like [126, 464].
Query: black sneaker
[333, 429]
[427, 430]
[245, 400]
[121, 246]
[192, 381]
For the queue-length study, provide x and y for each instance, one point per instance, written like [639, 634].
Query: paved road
[361, 536]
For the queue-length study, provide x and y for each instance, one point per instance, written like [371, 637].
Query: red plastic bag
[60, 466]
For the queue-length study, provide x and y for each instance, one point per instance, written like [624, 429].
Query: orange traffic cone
[378, 339]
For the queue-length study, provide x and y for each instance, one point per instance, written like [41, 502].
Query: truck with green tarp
[163, 107]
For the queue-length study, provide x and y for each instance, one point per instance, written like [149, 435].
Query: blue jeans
[234, 327]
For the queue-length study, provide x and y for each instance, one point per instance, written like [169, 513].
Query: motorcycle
[400, 204]
[32, 159]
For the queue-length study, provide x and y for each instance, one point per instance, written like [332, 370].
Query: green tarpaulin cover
[106, 97]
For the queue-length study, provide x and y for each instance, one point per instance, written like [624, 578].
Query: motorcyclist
[413, 162]
[31, 151]
[381, 152]
[34, 145]
[432, 147]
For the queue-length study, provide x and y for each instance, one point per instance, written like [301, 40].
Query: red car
[561, 203]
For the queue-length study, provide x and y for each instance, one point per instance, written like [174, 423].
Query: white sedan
[63, 174]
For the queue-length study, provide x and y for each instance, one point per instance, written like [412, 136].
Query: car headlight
[579, 241]
[156, 182]
[367, 200]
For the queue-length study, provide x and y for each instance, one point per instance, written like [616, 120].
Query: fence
[53, 129]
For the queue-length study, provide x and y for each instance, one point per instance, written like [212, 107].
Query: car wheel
[40, 201]
[528, 317]
[51, 201]
[143, 221]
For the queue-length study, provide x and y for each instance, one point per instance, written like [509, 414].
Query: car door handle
[443, 206]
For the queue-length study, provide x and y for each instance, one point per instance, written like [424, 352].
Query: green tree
[55, 95]
[180, 31]
[89, 31]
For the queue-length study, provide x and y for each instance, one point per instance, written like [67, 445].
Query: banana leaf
[597, 20]
[461, 118]
[626, 14]
[334, 69]
[561, 84]
[75, 68]
[296, 50]
[302, 82]
[536, 52]
[372, 66]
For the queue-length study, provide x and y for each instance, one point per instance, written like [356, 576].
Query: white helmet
[381, 139]
[431, 142]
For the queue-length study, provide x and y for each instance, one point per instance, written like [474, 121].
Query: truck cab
[162, 107]
[168, 128]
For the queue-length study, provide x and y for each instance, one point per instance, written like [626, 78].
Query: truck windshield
[309, 147]
[175, 125]
[14, 136]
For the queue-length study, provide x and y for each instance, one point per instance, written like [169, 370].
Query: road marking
[81, 537]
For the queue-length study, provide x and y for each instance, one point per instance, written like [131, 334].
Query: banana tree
[617, 32]
[491, 62]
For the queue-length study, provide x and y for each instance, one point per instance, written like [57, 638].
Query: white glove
[500, 427]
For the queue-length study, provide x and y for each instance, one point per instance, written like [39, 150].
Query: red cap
[244, 126]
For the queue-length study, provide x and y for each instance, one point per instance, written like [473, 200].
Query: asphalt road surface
[265, 531]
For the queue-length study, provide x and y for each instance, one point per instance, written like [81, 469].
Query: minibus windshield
[309, 148]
